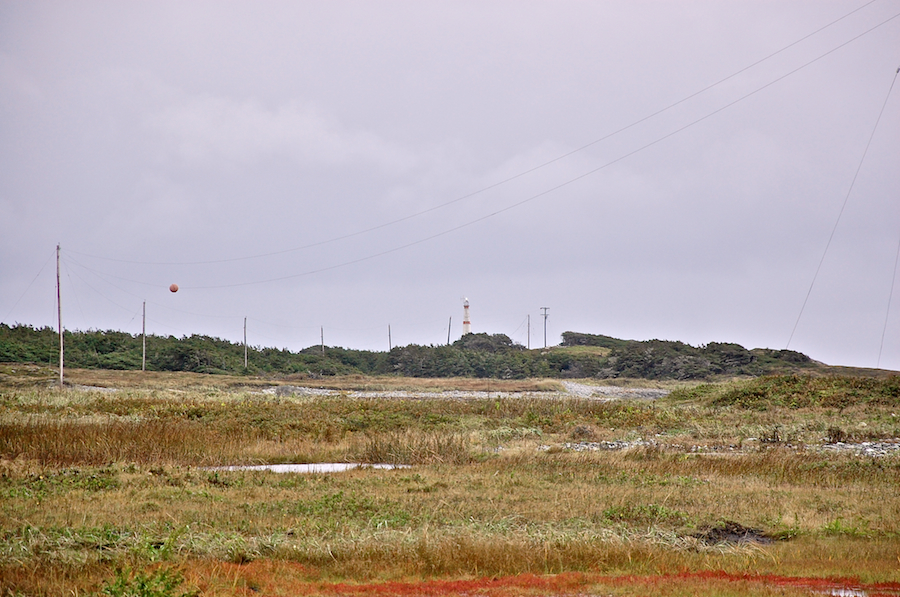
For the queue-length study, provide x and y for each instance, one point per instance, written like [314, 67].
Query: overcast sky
[350, 166]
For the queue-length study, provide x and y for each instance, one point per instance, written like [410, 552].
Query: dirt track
[575, 389]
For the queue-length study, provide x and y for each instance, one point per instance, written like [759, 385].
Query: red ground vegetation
[263, 577]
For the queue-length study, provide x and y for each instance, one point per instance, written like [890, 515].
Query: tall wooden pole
[545, 325]
[144, 340]
[59, 314]
[449, 323]
[322, 338]
[245, 343]
[390, 345]
[529, 331]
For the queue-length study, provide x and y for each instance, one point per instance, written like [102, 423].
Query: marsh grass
[415, 447]
[93, 482]
[66, 443]
[211, 427]
[427, 385]
[799, 391]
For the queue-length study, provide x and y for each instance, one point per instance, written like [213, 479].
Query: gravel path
[579, 390]
[399, 394]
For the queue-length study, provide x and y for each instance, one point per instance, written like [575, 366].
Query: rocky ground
[605, 393]
[579, 390]
[612, 392]
[871, 449]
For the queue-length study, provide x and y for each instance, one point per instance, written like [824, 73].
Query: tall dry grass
[417, 447]
[92, 481]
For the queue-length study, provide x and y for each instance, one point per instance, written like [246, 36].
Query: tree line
[579, 355]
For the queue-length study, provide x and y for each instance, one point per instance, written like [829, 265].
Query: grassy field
[112, 492]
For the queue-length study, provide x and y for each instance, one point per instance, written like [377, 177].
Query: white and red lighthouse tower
[467, 325]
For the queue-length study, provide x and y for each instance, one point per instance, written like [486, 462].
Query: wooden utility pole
[59, 313]
[245, 343]
[390, 344]
[144, 340]
[322, 338]
[449, 323]
[545, 325]
[529, 331]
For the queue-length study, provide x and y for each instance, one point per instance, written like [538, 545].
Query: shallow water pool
[319, 467]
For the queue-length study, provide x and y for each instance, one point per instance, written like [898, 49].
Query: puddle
[319, 467]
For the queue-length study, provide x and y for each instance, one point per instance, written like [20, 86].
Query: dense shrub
[473, 355]
[798, 391]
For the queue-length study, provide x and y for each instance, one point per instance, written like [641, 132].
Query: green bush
[473, 355]
[160, 583]
[797, 391]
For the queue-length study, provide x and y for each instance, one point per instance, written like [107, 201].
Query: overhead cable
[554, 188]
[510, 178]
[841, 212]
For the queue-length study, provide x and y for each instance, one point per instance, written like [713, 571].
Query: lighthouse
[467, 325]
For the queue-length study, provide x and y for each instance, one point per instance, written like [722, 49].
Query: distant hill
[664, 359]
[474, 355]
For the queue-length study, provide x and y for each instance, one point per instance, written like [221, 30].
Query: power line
[558, 186]
[843, 206]
[484, 217]
[103, 276]
[40, 271]
[887, 313]
[86, 283]
[72, 285]
[514, 176]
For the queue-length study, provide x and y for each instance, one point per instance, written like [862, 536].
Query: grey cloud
[211, 129]
[185, 132]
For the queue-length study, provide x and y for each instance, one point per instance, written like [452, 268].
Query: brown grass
[424, 384]
[91, 482]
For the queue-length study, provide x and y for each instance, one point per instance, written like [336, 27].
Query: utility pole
[545, 325]
[59, 313]
[390, 346]
[529, 331]
[144, 339]
[449, 324]
[322, 338]
[245, 342]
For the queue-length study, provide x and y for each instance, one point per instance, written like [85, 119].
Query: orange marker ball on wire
[173, 288]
